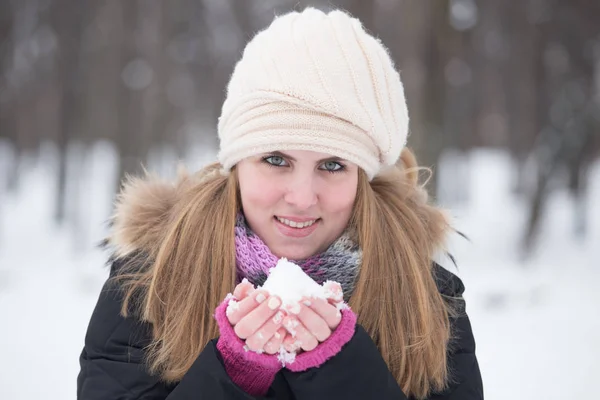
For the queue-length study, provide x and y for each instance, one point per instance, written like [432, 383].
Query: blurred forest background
[147, 77]
[504, 100]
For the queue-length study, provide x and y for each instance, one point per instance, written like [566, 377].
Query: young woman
[312, 167]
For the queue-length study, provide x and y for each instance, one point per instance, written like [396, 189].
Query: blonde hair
[191, 270]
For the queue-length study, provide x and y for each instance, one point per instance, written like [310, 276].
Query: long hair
[396, 296]
[191, 269]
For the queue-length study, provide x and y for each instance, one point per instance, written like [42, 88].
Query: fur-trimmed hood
[145, 210]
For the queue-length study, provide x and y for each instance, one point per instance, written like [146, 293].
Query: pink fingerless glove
[252, 372]
[329, 348]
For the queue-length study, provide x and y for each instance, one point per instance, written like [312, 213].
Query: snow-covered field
[536, 324]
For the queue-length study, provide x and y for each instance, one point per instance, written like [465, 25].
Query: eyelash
[341, 169]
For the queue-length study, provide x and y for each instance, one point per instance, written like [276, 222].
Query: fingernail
[277, 335]
[307, 303]
[261, 297]
[274, 303]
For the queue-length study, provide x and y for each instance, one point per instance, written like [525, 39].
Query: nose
[301, 191]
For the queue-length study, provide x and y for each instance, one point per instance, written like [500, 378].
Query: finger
[291, 344]
[274, 344]
[256, 318]
[330, 313]
[243, 289]
[314, 322]
[258, 340]
[306, 340]
[239, 309]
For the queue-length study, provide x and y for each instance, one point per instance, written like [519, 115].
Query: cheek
[340, 198]
[258, 192]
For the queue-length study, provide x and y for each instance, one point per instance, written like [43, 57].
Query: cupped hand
[309, 323]
[257, 319]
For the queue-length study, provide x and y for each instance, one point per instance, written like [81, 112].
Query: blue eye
[332, 166]
[275, 161]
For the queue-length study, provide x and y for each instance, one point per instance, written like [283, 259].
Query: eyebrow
[280, 154]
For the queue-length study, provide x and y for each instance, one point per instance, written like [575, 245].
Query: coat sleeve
[465, 377]
[112, 361]
[359, 371]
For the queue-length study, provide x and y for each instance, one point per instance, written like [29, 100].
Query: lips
[294, 223]
[296, 227]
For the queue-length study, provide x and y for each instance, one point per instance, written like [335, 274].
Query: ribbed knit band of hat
[315, 81]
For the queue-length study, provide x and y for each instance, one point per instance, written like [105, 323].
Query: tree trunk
[68, 21]
[8, 126]
[131, 139]
[432, 127]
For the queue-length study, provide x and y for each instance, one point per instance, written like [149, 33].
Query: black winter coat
[112, 364]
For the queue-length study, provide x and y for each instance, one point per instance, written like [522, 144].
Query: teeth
[293, 224]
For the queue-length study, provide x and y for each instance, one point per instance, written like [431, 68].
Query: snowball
[290, 283]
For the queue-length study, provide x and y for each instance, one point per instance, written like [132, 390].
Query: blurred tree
[566, 106]
[430, 131]
[133, 81]
[68, 20]
[21, 67]
[7, 87]
[520, 84]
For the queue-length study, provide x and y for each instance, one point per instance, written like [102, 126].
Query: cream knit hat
[315, 81]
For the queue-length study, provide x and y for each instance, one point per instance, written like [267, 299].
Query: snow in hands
[292, 285]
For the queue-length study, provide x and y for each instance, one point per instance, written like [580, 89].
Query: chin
[294, 253]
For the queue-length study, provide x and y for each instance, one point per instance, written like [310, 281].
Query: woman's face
[298, 202]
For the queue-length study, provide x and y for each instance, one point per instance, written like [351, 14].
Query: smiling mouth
[295, 224]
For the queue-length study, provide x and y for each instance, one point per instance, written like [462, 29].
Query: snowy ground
[535, 324]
